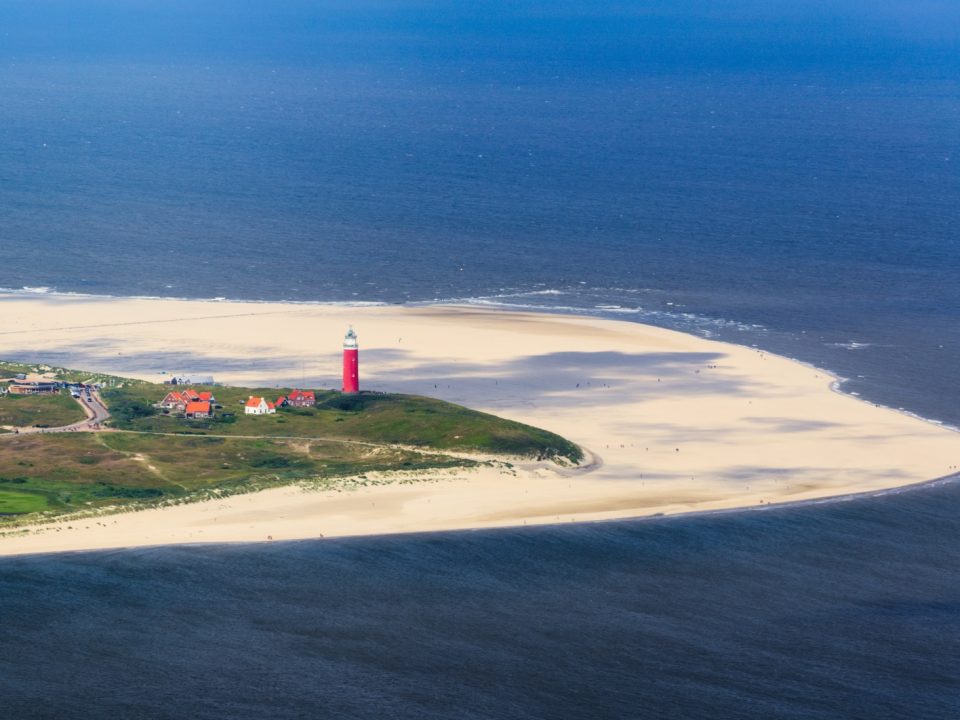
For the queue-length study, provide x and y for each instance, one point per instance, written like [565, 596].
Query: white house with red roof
[259, 406]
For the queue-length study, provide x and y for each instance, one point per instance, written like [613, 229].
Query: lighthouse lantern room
[351, 363]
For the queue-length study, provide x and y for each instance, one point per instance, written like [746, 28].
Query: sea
[777, 174]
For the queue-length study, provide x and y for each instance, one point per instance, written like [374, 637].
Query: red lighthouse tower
[351, 363]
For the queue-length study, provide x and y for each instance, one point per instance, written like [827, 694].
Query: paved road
[94, 409]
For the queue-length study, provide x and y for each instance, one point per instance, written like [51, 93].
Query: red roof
[254, 401]
[305, 394]
[271, 406]
[280, 401]
[206, 395]
[175, 397]
[198, 407]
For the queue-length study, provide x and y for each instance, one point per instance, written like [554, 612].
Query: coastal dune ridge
[670, 422]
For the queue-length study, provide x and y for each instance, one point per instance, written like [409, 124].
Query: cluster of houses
[262, 406]
[189, 403]
[195, 405]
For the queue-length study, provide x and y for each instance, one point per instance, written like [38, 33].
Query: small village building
[177, 401]
[281, 402]
[22, 387]
[259, 406]
[184, 380]
[199, 410]
[301, 398]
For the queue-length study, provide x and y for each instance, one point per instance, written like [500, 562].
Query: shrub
[271, 461]
[105, 490]
[127, 410]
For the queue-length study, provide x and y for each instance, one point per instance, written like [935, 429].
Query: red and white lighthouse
[351, 363]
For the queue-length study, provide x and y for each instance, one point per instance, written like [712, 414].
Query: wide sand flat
[674, 423]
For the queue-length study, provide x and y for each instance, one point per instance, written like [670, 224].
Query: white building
[259, 406]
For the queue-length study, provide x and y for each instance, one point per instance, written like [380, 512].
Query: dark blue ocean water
[846, 610]
[774, 173]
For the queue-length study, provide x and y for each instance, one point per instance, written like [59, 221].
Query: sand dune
[677, 423]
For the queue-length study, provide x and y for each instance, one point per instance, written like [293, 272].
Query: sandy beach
[672, 423]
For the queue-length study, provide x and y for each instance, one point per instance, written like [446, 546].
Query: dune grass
[40, 410]
[369, 417]
[151, 457]
[64, 473]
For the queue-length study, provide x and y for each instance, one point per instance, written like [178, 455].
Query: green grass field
[39, 410]
[80, 471]
[17, 503]
[371, 417]
[156, 458]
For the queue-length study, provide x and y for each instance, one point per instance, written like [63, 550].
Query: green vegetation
[159, 458]
[39, 410]
[15, 503]
[67, 472]
[368, 417]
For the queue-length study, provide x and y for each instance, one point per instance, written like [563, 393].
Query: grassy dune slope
[370, 417]
[39, 410]
[68, 472]
[151, 457]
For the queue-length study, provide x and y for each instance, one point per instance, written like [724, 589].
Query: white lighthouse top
[350, 340]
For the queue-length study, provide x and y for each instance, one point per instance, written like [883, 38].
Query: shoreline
[764, 430]
[830, 499]
[479, 303]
